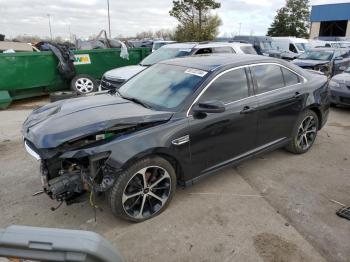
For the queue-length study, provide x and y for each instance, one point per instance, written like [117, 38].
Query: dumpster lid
[22, 47]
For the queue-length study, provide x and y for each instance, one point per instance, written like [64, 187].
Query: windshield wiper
[115, 91]
[133, 99]
[137, 101]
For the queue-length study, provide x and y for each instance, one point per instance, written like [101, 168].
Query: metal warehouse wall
[330, 12]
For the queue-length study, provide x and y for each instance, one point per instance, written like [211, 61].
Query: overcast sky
[88, 17]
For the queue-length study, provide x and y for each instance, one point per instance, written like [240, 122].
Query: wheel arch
[317, 111]
[160, 152]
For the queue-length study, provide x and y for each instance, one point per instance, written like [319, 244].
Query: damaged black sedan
[173, 124]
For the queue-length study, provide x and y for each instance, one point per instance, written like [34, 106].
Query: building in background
[330, 20]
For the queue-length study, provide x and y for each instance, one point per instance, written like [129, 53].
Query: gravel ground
[273, 208]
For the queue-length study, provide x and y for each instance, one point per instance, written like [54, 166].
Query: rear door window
[211, 50]
[268, 77]
[229, 87]
[222, 49]
[290, 78]
[204, 51]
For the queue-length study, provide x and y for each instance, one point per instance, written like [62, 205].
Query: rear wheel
[304, 133]
[144, 190]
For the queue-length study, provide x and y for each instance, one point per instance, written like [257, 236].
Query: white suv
[114, 78]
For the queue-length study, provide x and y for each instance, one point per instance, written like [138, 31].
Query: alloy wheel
[307, 133]
[146, 192]
[84, 85]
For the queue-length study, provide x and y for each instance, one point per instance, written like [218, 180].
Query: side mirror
[209, 107]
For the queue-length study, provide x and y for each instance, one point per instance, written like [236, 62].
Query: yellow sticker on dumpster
[82, 59]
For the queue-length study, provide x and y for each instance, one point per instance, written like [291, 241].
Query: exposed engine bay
[69, 179]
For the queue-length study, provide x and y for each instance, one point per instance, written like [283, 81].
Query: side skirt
[237, 160]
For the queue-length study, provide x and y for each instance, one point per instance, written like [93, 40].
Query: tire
[56, 96]
[129, 196]
[304, 133]
[83, 84]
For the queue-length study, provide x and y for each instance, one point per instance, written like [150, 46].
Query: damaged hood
[309, 63]
[62, 121]
[124, 73]
[343, 78]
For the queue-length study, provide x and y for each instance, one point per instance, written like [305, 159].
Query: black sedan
[173, 124]
[340, 88]
[330, 61]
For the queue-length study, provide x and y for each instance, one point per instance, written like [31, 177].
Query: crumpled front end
[74, 145]
[322, 67]
[70, 179]
[81, 165]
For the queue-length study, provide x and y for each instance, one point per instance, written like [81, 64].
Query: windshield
[163, 87]
[317, 55]
[302, 46]
[163, 54]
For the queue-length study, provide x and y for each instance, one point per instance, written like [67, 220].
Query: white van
[291, 44]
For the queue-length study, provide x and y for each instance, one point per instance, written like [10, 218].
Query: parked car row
[115, 78]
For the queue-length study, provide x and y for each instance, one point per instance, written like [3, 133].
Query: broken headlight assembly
[325, 68]
[69, 179]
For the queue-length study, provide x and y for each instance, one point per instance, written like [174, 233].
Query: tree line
[198, 22]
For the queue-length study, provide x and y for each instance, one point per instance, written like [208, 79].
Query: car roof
[163, 41]
[191, 45]
[291, 39]
[188, 45]
[218, 44]
[251, 37]
[214, 61]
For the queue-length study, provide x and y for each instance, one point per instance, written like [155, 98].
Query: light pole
[239, 31]
[49, 16]
[109, 21]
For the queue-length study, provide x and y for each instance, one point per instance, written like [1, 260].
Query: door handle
[247, 110]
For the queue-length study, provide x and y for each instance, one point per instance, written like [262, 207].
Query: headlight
[334, 84]
[322, 68]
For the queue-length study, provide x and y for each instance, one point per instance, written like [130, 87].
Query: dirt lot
[274, 208]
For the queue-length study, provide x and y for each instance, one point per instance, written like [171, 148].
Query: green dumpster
[27, 74]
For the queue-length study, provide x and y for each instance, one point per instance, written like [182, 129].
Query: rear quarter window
[290, 78]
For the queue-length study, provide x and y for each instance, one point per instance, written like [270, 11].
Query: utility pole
[49, 16]
[109, 21]
[70, 34]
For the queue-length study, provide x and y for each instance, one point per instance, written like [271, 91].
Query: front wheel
[304, 133]
[144, 190]
[83, 84]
